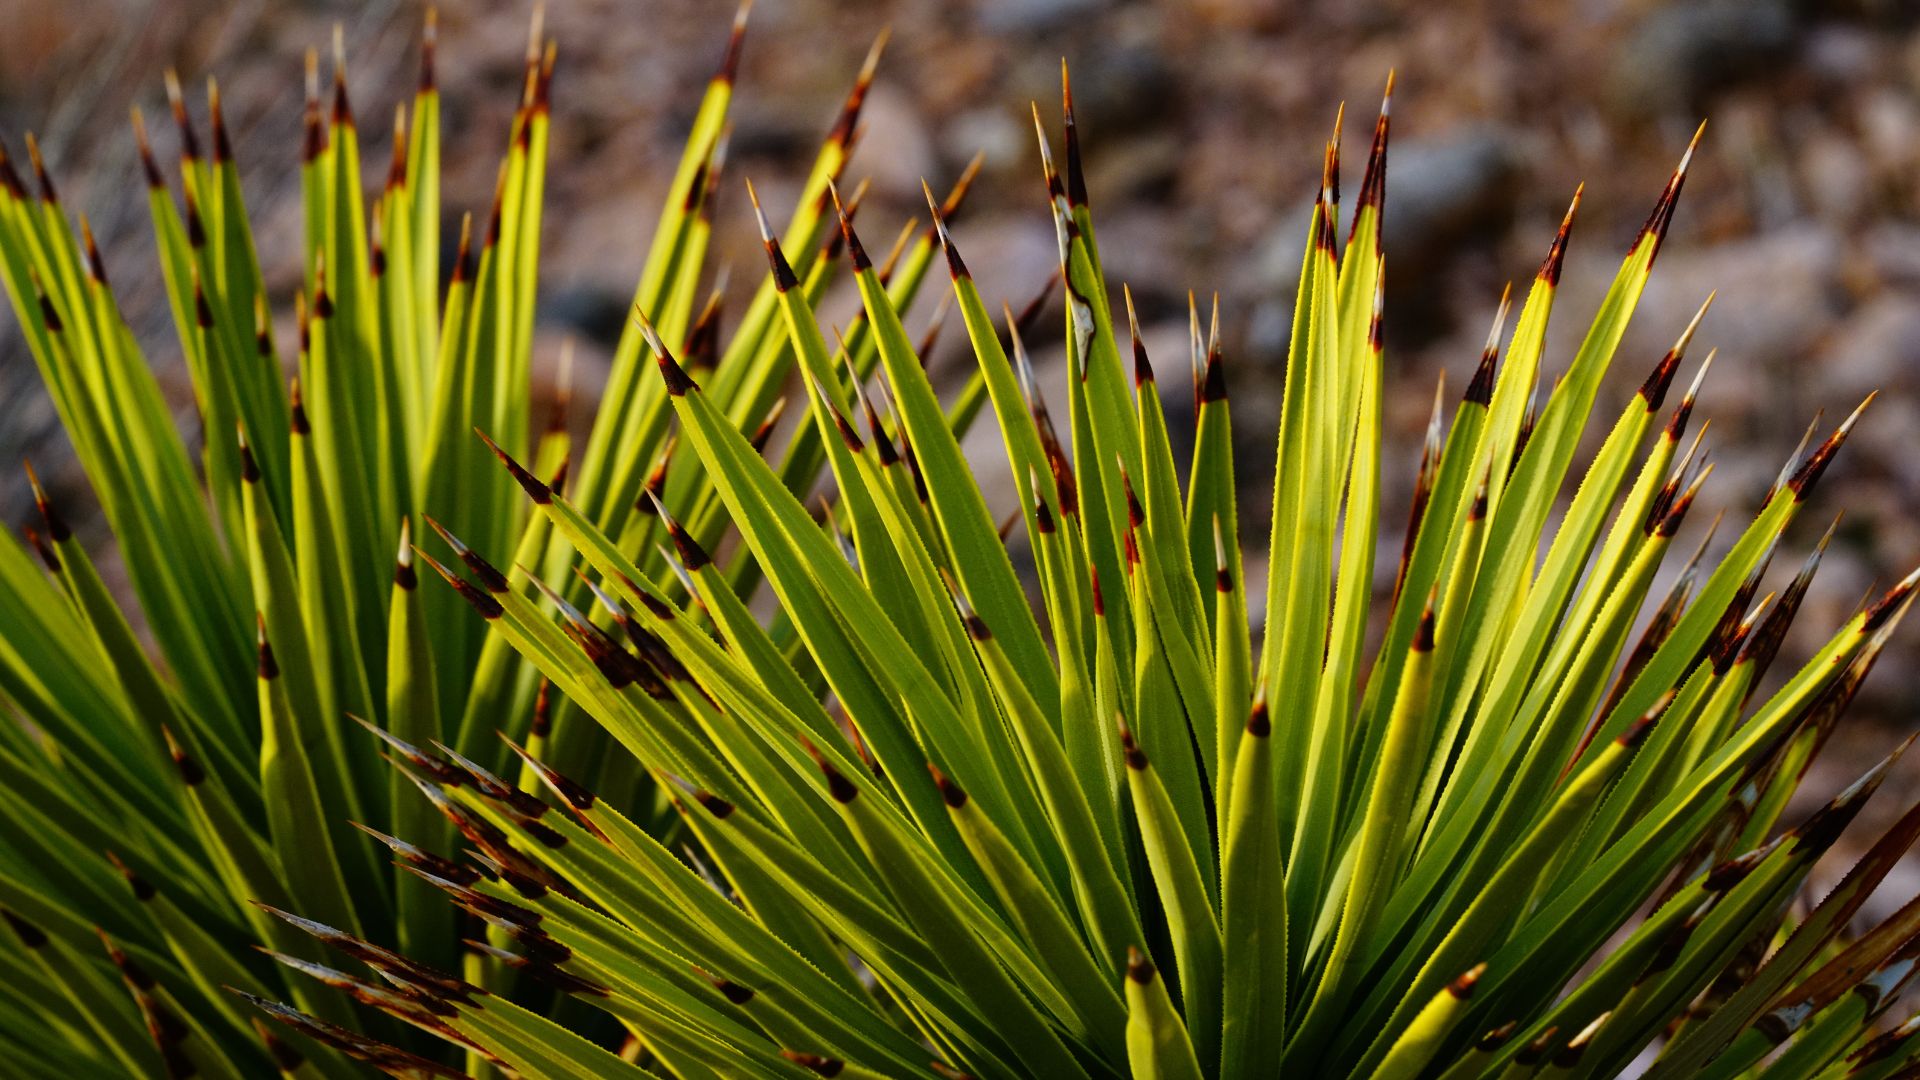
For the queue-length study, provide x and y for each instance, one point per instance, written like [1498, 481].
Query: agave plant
[925, 818]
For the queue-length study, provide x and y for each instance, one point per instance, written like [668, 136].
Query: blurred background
[1203, 122]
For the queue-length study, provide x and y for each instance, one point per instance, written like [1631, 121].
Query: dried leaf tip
[1462, 987]
[677, 380]
[1825, 825]
[57, 529]
[1894, 600]
[1142, 368]
[1136, 758]
[189, 142]
[849, 118]
[1423, 634]
[1373, 181]
[1677, 423]
[1556, 258]
[1076, 176]
[955, 266]
[536, 490]
[1655, 229]
[1259, 724]
[818, 1064]
[950, 792]
[692, 556]
[838, 786]
[342, 109]
[9, 178]
[1222, 561]
[736, 37]
[855, 251]
[404, 575]
[1139, 968]
[40, 175]
[490, 577]
[269, 668]
[216, 118]
[1636, 732]
[1569, 1056]
[249, 468]
[1654, 390]
[429, 45]
[1810, 471]
[156, 181]
[297, 422]
[1480, 389]
[783, 276]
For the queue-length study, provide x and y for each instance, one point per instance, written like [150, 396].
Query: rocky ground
[1204, 122]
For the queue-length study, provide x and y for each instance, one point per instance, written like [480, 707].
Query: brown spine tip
[490, 576]
[48, 313]
[855, 251]
[956, 267]
[1462, 987]
[849, 117]
[537, 491]
[819, 1064]
[838, 785]
[1136, 758]
[677, 380]
[1885, 607]
[1637, 731]
[143, 889]
[1556, 258]
[482, 602]
[222, 146]
[1536, 1051]
[1810, 471]
[429, 43]
[297, 421]
[1497, 1037]
[1076, 176]
[1480, 387]
[1423, 635]
[1655, 230]
[1142, 367]
[190, 772]
[57, 530]
[9, 178]
[1259, 724]
[41, 547]
[950, 791]
[1099, 598]
[692, 555]
[196, 226]
[1213, 381]
[1139, 968]
[1373, 180]
[736, 37]
[463, 255]
[156, 181]
[249, 468]
[783, 276]
[96, 266]
[268, 668]
[189, 142]
[342, 108]
[41, 177]
[405, 577]
[713, 804]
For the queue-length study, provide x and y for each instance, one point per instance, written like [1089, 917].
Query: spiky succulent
[912, 823]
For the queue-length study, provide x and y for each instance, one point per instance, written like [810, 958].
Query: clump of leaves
[915, 823]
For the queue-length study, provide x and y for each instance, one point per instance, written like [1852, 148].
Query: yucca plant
[741, 748]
